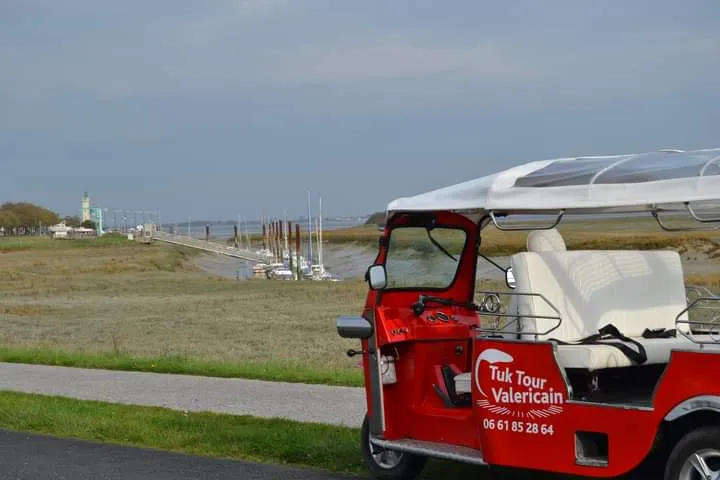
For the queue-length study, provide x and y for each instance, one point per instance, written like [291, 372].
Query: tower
[85, 208]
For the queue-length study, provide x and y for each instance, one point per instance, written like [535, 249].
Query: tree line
[25, 218]
[377, 218]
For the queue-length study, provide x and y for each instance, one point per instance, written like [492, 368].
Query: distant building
[62, 230]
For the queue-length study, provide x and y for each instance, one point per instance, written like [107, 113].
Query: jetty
[208, 246]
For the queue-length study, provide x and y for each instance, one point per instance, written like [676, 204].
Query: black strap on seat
[659, 333]
[610, 331]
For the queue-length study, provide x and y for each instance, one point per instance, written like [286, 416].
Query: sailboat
[318, 271]
[310, 236]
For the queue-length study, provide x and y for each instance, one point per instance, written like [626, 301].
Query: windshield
[420, 259]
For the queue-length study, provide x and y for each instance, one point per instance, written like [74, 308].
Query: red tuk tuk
[599, 363]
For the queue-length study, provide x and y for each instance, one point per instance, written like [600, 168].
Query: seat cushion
[598, 357]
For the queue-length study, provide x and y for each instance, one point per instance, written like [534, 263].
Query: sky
[217, 108]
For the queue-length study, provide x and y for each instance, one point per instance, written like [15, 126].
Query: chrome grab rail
[522, 228]
[694, 216]
[714, 334]
[697, 289]
[517, 316]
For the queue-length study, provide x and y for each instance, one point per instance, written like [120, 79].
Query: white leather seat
[537, 241]
[632, 290]
[545, 241]
[599, 357]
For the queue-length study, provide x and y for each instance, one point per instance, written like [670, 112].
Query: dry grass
[29, 310]
[636, 233]
[709, 281]
[141, 300]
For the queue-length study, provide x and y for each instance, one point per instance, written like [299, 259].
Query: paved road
[38, 457]
[302, 402]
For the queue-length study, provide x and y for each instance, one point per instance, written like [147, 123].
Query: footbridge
[207, 246]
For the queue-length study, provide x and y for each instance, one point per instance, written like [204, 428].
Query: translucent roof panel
[628, 183]
[572, 171]
[623, 169]
[650, 167]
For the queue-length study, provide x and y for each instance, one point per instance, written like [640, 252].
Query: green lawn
[318, 446]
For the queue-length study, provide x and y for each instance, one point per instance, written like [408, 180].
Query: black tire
[704, 438]
[407, 468]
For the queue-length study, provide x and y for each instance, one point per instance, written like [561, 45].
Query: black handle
[352, 353]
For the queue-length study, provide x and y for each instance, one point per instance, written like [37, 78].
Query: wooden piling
[264, 234]
[291, 263]
[277, 243]
[274, 240]
[281, 236]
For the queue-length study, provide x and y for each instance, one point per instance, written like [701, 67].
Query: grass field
[110, 303]
[127, 300]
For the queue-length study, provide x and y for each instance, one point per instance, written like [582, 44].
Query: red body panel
[539, 421]
[525, 409]
[522, 414]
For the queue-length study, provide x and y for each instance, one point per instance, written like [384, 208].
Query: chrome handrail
[694, 216]
[521, 228]
[714, 321]
[483, 330]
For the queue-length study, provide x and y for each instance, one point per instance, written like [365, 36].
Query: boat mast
[320, 257]
[286, 249]
[262, 226]
[310, 230]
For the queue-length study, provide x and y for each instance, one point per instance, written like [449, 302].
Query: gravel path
[301, 402]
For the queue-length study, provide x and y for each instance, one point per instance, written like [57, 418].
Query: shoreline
[350, 262]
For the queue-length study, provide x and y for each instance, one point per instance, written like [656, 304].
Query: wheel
[696, 456]
[388, 464]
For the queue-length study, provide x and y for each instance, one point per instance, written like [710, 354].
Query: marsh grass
[636, 233]
[131, 305]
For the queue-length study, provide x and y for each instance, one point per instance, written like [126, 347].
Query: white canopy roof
[624, 183]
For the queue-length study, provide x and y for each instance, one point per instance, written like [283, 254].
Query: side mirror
[377, 277]
[509, 278]
[354, 327]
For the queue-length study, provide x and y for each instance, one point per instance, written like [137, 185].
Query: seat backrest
[545, 241]
[537, 241]
[633, 290]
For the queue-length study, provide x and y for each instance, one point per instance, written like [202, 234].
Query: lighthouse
[85, 208]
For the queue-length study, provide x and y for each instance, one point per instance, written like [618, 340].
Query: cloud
[390, 57]
[243, 46]
[215, 26]
[119, 70]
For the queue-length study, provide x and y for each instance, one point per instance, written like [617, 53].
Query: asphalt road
[38, 457]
